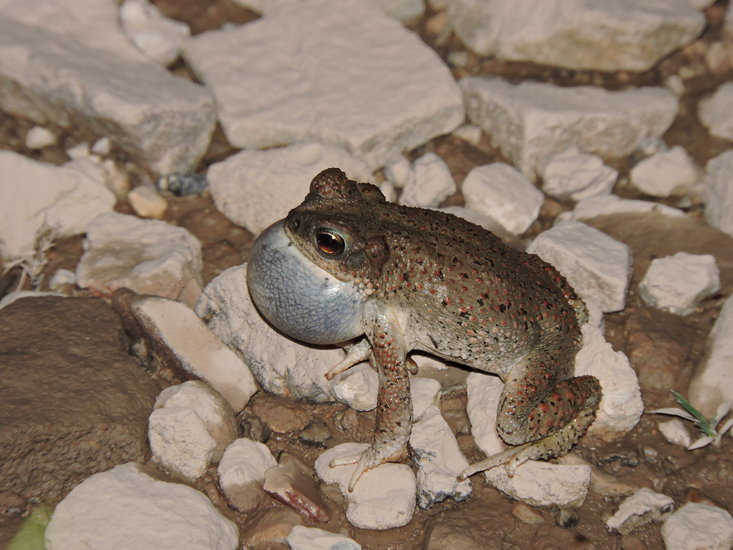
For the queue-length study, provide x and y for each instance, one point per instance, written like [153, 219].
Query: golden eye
[329, 242]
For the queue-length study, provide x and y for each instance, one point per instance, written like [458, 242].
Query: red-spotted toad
[347, 267]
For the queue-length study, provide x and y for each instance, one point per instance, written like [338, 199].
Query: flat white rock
[242, 473]
[71, 64]
[664, 173]
[335, 71]
[121, 507]
[199, 351]
[596, 266]
[531, 121]
[312, 538]
[712, 384]
[282, 366]
[573, 174]
[716, 112]
[256, 188]
[189, 429]
[156, 36]
[537, 483]
[383, 498]
[503, 194]
[431, 182]
[718, 192]
[147, 256]
[35, 193]
[698, 526]
[678, 283]
[577, 34]
[601, 205]
[644, 506]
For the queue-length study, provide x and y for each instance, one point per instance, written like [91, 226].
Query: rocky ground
[82, 377]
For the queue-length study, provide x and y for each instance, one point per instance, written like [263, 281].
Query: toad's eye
[330, 243]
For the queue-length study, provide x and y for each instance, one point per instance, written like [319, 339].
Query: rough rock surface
[716, 112]
[256, 188]
[50, 74]
[323, 70]
[146, 256]
[124, 508]
[72, 402]
[34, 193]
[719, 192]
[532, 121]
[697, 525]
[577, 34]
[242, 473]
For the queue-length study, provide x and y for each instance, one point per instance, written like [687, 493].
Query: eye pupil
[329, 242]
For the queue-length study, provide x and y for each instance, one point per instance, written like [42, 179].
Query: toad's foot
[370, 458]
[512, 458]
[556, 444]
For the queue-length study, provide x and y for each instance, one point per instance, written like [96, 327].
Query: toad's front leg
[394, 408]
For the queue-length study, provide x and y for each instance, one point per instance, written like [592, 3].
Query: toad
[347, 267]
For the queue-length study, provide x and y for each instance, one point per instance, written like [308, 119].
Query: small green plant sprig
[708, 426]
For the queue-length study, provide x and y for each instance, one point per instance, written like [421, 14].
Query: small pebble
[39, 137]
[146, 202]
[182, 185]
[525, 513]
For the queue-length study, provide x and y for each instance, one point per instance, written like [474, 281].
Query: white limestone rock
[469, 133]
[61, 279]
[398, 170]
[643, 507]
[189, 429]
[198, 350]
[537, 483]
[357, 387]
[404, 10]
[147, 256]
[111, 509]
[39, 137]
[335, 71]
[716, 112]
[627, 35]
[532, 121]
[383, 498]
[596, 266]
[675, 431]
[664, 173]
[156, 36]
[678, 283]
[35, 193]
[282, 366]
[242, 473]
[602, 205]
[503, 194]
[573, 174]
[718, 192]
[698, 526]
[712, 384]
[439, 459]
[621, 406]
[425, 393]
[146, 202]
[55, 66]
[431, 183]
[256, 188]
[312, 538]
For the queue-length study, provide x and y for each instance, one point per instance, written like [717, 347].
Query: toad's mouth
[298, 297]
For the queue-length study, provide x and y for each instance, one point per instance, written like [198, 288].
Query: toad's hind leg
[543, 417]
